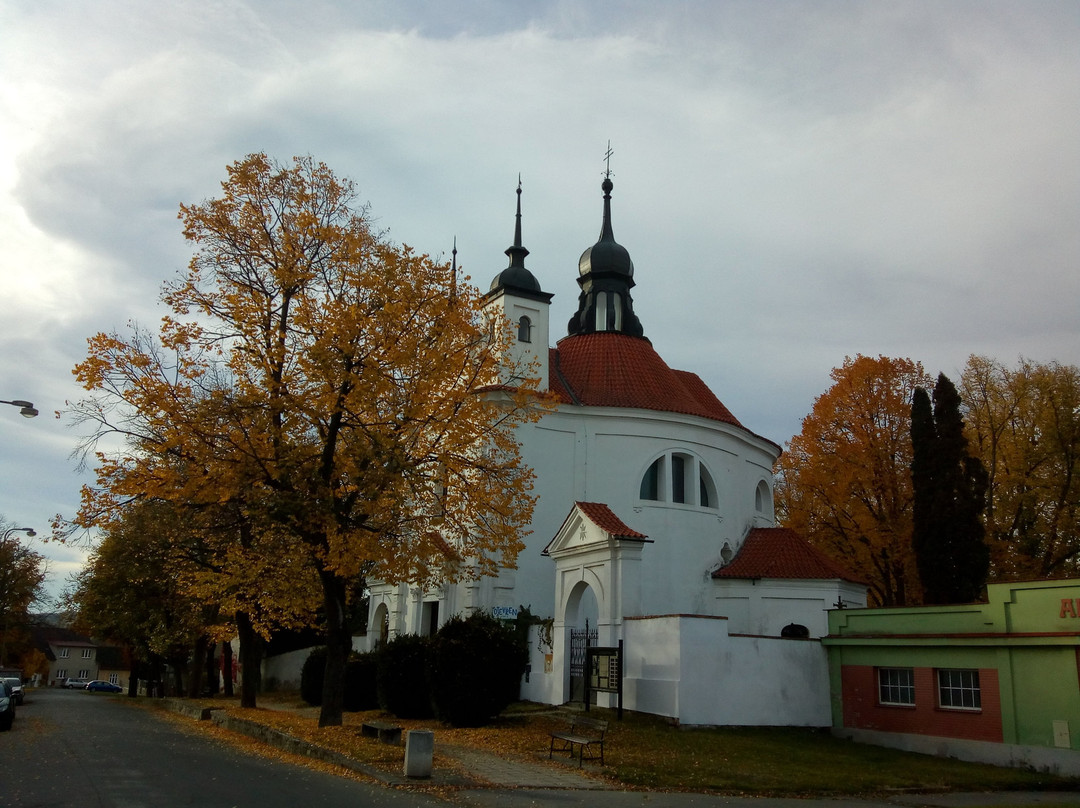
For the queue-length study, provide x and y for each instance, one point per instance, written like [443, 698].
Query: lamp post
[26, 408]
[29, 531]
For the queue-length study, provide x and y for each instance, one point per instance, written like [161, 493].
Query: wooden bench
[387, 733]
[587, 734]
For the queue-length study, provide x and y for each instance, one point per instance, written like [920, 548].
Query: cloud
[796, 182]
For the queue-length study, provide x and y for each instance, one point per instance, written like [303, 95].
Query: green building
[997, 682]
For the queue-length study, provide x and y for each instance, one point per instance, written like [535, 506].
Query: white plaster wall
[612, 449]
[542, 683]
[690, 668]
[764, 607]
[599, 455]
[282, 672]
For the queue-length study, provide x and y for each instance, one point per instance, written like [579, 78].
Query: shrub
[360, 683]
[475, 671]
[402, 677]
[311, 677]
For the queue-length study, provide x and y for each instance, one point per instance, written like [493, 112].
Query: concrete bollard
[419, 749]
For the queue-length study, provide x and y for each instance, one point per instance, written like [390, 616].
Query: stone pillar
[419, 750]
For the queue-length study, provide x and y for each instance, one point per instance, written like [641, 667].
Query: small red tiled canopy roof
[779, 552]
[603, 517]
[610, 369]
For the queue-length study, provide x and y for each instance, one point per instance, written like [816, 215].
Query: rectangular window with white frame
[958, 689]
[896, 687]
[88, 653]
[61, 673]
[114, 678]
[63, 653]
[84, 673]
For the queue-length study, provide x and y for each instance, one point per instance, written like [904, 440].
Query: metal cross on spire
[607, 160]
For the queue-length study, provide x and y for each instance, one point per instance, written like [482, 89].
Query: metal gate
[580, 639]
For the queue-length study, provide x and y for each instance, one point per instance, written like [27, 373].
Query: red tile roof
[778, 552]
[617, 370]
[603, 517]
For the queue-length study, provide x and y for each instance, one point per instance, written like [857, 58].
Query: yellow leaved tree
[325, 384]
[844, 482]
[1024, 424]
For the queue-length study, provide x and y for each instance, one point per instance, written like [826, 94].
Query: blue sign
[504, 612]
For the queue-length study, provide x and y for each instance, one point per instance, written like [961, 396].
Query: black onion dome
[607, 256]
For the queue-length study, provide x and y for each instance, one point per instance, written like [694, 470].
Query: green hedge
[311, 677]
[402, 677]
[360, 683]
[475, 669]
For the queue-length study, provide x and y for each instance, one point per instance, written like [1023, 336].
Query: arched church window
[706, 489]
[678, 477]
[650, 483]
[671, 478]
[524, 329]
[762, 498]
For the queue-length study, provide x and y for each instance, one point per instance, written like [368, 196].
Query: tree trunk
[338, 646]
[213, 680]
[195, 685]
[251, 648]
[133, 677]
[227, 667]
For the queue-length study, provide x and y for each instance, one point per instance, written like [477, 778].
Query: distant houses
[72, 655]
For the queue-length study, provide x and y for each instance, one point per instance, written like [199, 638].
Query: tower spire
[453, 272]
[516, 276]
[516, 252]
[606, 276]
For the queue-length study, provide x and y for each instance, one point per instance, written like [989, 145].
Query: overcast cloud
[796, 182]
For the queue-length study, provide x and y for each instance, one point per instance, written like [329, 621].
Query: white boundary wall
[688, 667]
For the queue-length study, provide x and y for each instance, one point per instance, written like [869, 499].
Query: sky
[796, 182]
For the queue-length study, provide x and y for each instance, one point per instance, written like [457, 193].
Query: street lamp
[29, 531]
[26, 408]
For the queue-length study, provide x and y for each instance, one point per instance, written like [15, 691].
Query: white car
[7, 706]
[16, 688]
[76, 684]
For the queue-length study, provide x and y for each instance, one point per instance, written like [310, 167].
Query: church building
[654, 525]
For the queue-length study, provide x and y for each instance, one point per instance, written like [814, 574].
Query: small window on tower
[601, 311]
[524, 329]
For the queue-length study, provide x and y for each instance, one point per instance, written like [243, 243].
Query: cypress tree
[949, 485]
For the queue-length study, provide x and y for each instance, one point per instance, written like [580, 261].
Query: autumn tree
[1024, 424]
[949, 495]
[23, 571]
[131, 591]
[844, 481]
[326, 382]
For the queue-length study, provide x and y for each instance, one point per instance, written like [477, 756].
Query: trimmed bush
[311, 677]
[475, 671]
[402, 677]
[361, 691]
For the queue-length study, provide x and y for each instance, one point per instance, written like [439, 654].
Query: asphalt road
[93, 750]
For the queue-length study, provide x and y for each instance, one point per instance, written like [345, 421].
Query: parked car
[7, 706]
[101, 686]
[16, 688]
[76, 684]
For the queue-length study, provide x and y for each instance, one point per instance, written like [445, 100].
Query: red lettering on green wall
[1068, 608]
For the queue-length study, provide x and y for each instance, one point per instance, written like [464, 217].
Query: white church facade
[654, 525]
